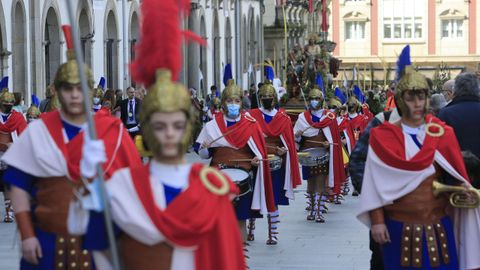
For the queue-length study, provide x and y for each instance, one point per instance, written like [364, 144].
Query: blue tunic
[278, 177]
[25, 181]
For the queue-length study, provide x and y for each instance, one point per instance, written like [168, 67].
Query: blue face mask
[314, 104]
[233, 110]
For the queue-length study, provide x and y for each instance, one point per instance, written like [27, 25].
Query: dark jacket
[124, 111]
[463, 115]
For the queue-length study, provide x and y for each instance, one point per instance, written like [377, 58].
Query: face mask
[96, 100]
[7, 109]
[267, 103]
[233, 110]
[314, 104]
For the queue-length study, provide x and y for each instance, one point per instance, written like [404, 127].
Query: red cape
[108, 130]
[243, 130]
[338, 167]
[198, 218]
[345, 126]
[368, 114]
[281, 124]
[387, 140]
[359, 122]
[15, 122]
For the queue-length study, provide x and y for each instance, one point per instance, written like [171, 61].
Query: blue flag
[269, 73]
[358, 93]
[403, 61]
[227, 74]
[101, 84]
[35, 100]
[339, 94]
[4, 83]
[319, 83]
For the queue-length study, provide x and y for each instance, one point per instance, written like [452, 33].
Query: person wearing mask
[12, 124]
[97, 99]
[33, 113]
[316, 130]
[277, 126]
[235, 141]
[129, 110]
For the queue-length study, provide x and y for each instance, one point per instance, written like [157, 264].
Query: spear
[93, 136]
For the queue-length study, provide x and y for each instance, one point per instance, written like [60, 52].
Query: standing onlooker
[129, 111]
[437, 102]
[140, 93]
[44, 104]
[463, 111]
[19, 104]
[447, 90]
[246, 101]
[253, 95]
[118, 102]
[210, 97]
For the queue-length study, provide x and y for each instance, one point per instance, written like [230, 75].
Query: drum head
[317, 151]
[237, 175]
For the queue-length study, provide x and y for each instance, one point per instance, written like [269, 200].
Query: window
[452, 28]
[403, 19]
[354, 30]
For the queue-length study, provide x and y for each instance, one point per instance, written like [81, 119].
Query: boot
[337, 199]
[310, 201]
[323, 204]
[319, 218]
[251, 229]
[272, 219]
[312, 204]
[8, 212]
[355, 193]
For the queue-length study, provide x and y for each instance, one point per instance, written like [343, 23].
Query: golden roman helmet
[165, 96]
[313, 36]
[68, 73]
[268, 90]
[216, 102]
[98, 93]
[33, 112]
[231, 91]
[353, 104]
[7, 97]
[410, 80]
[334, 103]
[315, 93]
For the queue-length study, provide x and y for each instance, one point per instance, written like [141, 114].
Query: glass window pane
[407, 30]
[445, 28]
[347, 30]
[459, 28]
[387, 30]
[418, 30]
[361, 30]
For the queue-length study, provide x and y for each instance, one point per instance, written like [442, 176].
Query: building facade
[371, 33]
[32, 45]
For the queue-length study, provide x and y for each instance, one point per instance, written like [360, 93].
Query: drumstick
[320, 142]
[245, 160]
[225, 134]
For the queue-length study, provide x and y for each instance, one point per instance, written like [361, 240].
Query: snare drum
[314, 157]
[275, 162]
[240, 177]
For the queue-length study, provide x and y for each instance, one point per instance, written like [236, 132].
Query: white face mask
[96, 100]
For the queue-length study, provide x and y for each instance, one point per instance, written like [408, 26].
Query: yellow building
[373, 33]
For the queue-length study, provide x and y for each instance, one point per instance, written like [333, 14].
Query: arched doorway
[52, 45]
[19, 48]
[86, 36]
[111, 51]
[203, 59]
[133, 37]
[217, 69]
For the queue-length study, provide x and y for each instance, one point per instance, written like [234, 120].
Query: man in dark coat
[129, 113]
[462, 113]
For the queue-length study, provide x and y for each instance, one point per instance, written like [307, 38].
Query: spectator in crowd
[472, 163]
[447, 90]
[437, 102]
[19, 104]
[210, 97]
[48, 98]
[129, 111]
[140, 93]
[246, 101]
[118, 102]
[253, 95]
[463, 111]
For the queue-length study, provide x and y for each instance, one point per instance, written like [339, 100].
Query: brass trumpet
[459, 197]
